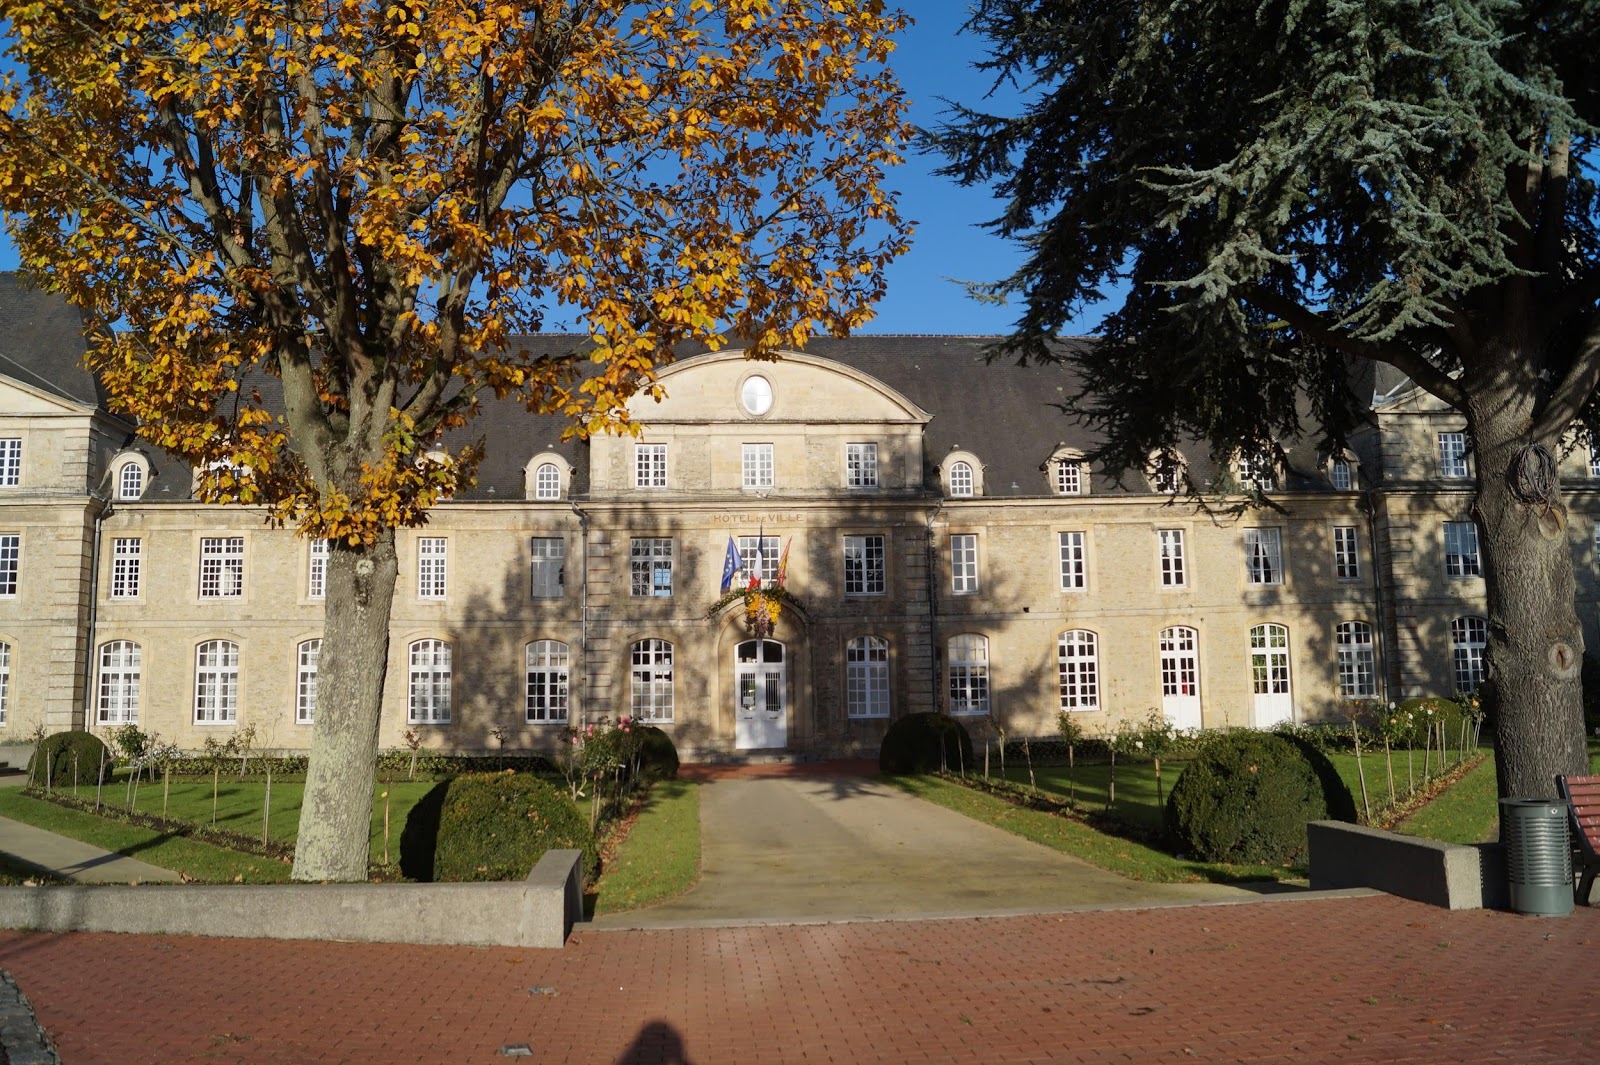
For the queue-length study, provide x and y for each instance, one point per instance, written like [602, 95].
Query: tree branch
[1576, 388]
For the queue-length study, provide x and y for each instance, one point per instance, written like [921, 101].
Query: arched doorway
[760, 718]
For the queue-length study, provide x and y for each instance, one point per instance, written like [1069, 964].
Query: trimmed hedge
[57, 751]
[1246, 799]
[658, 757]
[491, 826]
[914, 743]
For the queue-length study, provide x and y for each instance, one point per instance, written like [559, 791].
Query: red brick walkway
[1347, 980]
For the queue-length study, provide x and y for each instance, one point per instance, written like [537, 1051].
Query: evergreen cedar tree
[1288, 188]
[372, 201]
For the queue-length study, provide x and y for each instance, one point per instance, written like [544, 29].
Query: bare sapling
[266, 804]
[1361, 773]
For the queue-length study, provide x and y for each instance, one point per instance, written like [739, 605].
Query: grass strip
[1125, 857]
[198, 861]
[659, 858]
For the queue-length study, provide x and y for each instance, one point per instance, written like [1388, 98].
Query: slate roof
[41, 342]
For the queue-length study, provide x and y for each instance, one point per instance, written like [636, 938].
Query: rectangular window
[216, 682]
[431, 574]
[861, 465]
[1594, 459]
[221, 567]
[964, 564]
[760, 554]
[650, 566]
[125, 563]
[969, 674]
[1170, 543]
[10, 461]
[428, 697]
[317, 572]
[547, 567]
[1461, 550]
[1257, 473]
[1074, 566]
[649, 465]
[1453, 455]
[119, 683]
[1357, 664]
[1341, 474]
[650, 681]
[865, 571]
[305, 688]
[1069, 477]
[757, 463]
[867, 677]
[1346, 555]
[10, 560]
[1263, 556]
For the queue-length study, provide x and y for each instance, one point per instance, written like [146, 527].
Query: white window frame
[760, 555]
[430, 673]
[1594, 459]
[1346, 553]
[961, 480]
[1468, 637]
[130, 481]
[1461, 555]
[650, 679]
[5, 682]
[1078, 670]
[307, 656]
[1453, 463]
[433, 567]
[1342, 475]
[222, 567]
[866, 565]
[968, 672]
[867, 677]
[1170, 558]
[1263, 556]
[10, 461]
[650, 567]
[127, 564]
[117, 691]
[547, 666]
[861, 465]
[1257, 473]
[216, 682]
[964, 564]
[547, 567]
[1072, 551]
[1357, 660]
[10, 564]
[547, 481]
[317, 552]
[649, 465]
[1069, 477]
[756, 463]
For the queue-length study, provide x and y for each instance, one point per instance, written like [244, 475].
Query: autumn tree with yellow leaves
[366, 209]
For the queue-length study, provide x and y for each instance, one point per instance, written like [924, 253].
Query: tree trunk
[336, 816]
[1534, 652]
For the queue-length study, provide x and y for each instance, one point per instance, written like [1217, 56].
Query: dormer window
[1256, 473]
[130, 480]
[1342, 475]
[961, 480]
[546, 477]
[547, 481]
[1069, 477]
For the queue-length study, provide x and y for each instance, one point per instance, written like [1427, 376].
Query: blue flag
[733, 564]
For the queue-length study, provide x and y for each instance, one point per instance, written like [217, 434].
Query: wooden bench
[1582, 795]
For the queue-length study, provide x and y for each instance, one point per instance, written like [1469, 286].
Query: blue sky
[925, 295]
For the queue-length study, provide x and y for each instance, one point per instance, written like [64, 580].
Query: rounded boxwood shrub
[491, 826]
[57, 752]
[658, 757]
[1341, 802]
[913, 745]
[1246, 799]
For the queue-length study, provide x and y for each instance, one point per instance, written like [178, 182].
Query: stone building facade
[943, 546]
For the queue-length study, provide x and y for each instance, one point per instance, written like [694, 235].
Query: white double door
[1273, 701]
[1180, 677]
[759, 676]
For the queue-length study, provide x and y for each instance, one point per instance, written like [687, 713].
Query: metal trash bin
[1538, 855]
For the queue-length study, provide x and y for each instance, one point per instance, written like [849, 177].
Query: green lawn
[660, 858]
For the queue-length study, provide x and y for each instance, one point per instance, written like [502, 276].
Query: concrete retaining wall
[538, 912]
[1451, 875]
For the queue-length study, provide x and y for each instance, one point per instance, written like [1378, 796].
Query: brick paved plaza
[1369, 979]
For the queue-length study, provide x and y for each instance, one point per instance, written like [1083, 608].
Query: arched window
[1078, 670]
[1358, 674]
[961, 480]
[118, 699]
[650, 681]
[428, 697]
[547, 682]
[1467, 639]
[305, 686]
[547, 481]
[216, 682]
[866, 679]
[1342, 475]
[130, 481]
[1069, 476]
[969, 674]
